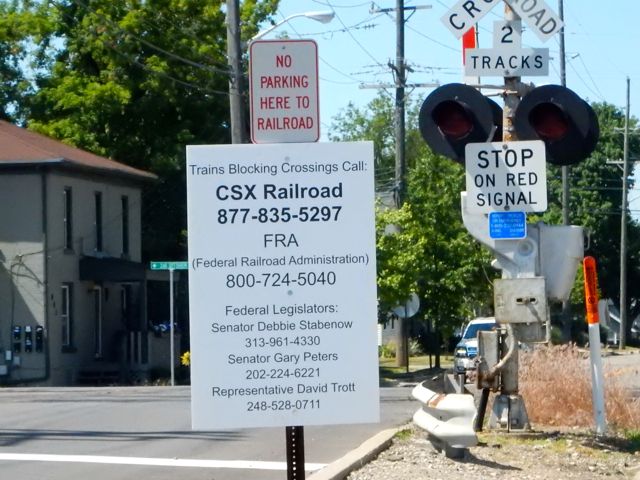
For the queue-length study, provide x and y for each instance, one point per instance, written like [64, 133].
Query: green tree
[596, 204]
[423, 247]
[22, 29]
[135, 81]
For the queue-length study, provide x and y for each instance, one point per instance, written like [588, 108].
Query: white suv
[467, 348]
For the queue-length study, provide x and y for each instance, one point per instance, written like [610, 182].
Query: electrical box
[28, 339]
[39, 339]
[522, 302]
[561, 254]
[17, 338]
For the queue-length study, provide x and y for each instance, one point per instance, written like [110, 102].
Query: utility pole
[402, 347]
[236, 84]
[623, 226]
[563, 81]
[566, 198]
[399, 68]
[400, 130]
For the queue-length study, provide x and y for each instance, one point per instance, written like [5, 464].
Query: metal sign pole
[295, 452]
[171, 332]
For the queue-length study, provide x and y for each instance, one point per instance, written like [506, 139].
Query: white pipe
[171, 330]
[597, 379]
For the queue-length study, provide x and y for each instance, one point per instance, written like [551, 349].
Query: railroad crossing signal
[562, 120]
[455, 115]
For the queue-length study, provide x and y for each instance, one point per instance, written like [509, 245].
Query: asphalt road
[144, 432]
[624, 369]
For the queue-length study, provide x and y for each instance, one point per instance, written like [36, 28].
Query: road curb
[357, 457]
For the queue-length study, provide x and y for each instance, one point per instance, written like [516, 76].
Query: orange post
[591, 290]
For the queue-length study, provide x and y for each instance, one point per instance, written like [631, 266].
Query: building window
[66, 317]
[68, 224]
[125, 226]
[98, 208]
[97, 321]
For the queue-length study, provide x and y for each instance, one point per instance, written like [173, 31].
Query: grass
[404, 434]
[556, 384]
[633, 436]
[565, 442]
[417, 364]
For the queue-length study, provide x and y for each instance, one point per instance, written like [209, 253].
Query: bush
[387, 351]
[415, 348]
[556, 384]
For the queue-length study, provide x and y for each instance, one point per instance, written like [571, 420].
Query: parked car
[467, 348]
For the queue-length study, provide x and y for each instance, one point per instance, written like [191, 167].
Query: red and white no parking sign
[283, 77]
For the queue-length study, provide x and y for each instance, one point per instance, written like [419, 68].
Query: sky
[601, 43]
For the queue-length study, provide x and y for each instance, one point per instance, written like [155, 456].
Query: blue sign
[507, 225]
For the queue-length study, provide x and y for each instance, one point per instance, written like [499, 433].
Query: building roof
[21, 147]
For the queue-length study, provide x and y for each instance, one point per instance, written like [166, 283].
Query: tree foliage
[596, 204]
[423, 246]
[128, 79]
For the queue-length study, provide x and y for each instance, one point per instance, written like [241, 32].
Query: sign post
[282, 285]
[171, 266]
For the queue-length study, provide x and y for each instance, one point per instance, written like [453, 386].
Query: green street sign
[165, 265]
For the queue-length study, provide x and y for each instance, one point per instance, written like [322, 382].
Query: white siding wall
[22, 286]
[27, 298]
[64, 264]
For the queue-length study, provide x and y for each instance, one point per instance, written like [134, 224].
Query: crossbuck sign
[536, 13]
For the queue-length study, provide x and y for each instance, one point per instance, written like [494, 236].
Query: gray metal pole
[563, 81]
[400, 172]
[171, 330]
[511, 101]
[402, 350]
[623, 226]
[566, 196]
[236, 84]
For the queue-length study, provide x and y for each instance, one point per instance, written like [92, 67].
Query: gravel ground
[534, 456]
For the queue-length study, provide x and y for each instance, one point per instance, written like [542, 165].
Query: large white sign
[283, 77]
[282, 285]
[544, 22]
[506, 176]
[507, 62]
[465, 14]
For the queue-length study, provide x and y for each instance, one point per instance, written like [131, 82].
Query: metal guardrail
[449, 418]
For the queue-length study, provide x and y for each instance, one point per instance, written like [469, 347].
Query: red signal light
[566, 124]
[452, 119]
[549, 121]
[454, 115]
